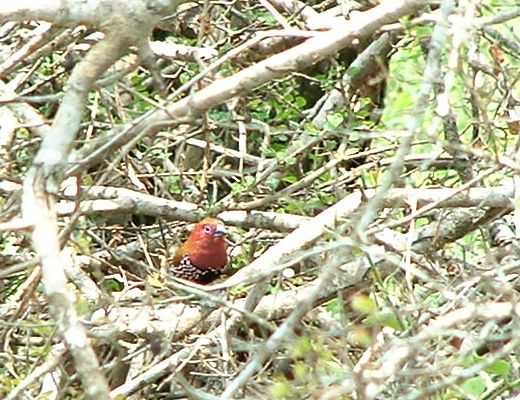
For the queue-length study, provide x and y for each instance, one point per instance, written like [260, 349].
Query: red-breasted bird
[203, 256]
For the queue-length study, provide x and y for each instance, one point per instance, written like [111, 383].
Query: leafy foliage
[274, 149]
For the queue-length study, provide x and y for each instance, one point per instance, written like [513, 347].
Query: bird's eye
[207, 228]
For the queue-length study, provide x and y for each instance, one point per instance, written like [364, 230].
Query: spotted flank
[186, 270]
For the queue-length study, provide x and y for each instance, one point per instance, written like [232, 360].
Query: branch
[320, 46]
[44, 178]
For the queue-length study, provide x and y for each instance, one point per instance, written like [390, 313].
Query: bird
[203, 256]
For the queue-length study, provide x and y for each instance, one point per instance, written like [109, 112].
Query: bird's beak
[220, 230]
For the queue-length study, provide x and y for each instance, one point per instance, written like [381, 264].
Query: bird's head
[206, 246]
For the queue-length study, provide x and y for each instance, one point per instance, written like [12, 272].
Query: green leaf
[500, 367]
[82, 306]
[281, 390]
[300, 101]
[287, 160]
[290, 179]
[471, 359]
[184, 77]
[113, 285]
[301, 370]
[330, 144]
[391, 320]
[474, 386]
[311, 129]
[361, 336]
[335, 120]
[333, 306]
[173, 183]
[301, 347]
[353, 71]
[363, 304]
